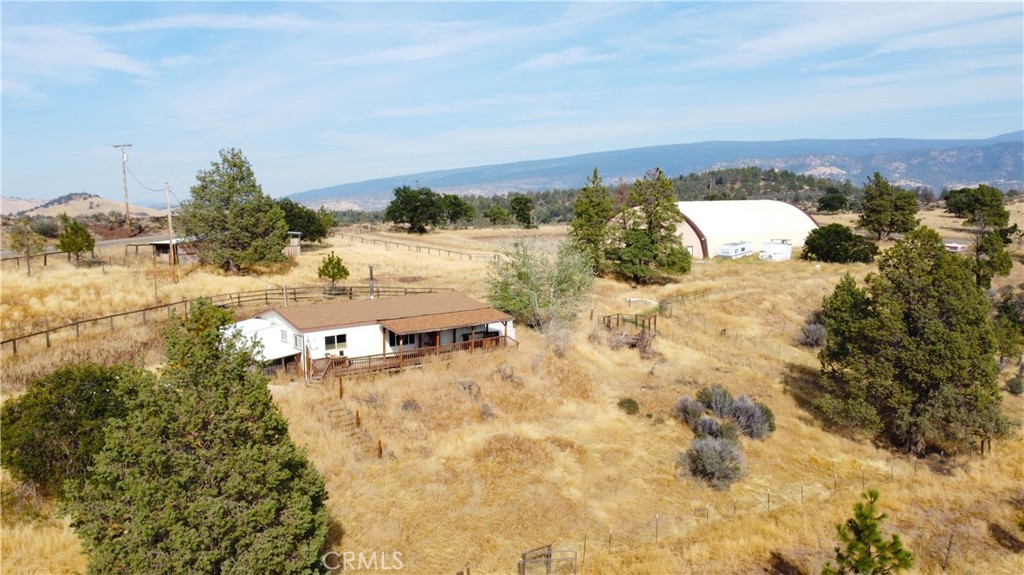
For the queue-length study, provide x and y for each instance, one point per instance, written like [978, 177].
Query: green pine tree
[591, 213]
[647, 248]
[74, 239]
[332, 268]
[201, 476]
[865, 551]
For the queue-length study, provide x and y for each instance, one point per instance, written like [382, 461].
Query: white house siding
[361, 341]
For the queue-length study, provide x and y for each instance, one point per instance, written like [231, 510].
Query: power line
[141, 184]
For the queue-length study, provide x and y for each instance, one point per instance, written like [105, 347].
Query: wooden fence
[45, 255]
[648, 320]
[418, 248]
[264, 297]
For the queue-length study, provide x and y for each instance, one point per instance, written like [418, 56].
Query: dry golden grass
[486, 455]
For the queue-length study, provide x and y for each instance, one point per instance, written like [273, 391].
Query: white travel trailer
[736, 250]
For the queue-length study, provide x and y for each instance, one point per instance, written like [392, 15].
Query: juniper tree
[201, 476]
[912, 355]
[53, 431]
[886, 209]
[231, 218]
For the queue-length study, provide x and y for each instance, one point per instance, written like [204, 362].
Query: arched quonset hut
[708, 225]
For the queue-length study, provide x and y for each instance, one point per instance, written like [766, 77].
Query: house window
[395, 340]
[298, 341]
[333, 342]
[284, 336]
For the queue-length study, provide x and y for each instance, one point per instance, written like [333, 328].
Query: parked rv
[736, 250]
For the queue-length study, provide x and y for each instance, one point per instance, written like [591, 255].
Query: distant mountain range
[936, 164]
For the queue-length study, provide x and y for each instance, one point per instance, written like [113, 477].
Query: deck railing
[341, 366]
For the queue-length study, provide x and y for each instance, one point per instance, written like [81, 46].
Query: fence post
[47, 339]
[380, 449]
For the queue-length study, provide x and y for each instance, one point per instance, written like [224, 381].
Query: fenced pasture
[469, 460]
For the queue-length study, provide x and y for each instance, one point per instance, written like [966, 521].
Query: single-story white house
[709, 225]
[379, 330]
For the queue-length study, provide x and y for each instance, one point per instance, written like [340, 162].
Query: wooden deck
[343, 366]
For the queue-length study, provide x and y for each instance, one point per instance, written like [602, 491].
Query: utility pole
[124, 181]
[172, 254]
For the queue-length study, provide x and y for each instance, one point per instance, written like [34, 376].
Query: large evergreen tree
[886, 209]
[201, 476]
[647, 248]
[231, 218]
[590, 216]
[912, 355]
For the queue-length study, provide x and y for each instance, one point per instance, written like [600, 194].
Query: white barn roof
[709, 224]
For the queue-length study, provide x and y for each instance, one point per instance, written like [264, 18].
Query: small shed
[183, 249]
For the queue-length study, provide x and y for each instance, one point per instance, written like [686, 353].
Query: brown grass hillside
[487, 455]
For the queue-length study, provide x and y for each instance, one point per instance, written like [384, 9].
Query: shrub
[707, 427]
[629, 405]
[813, 335]
[688, 411]
[719, 461]
[729, 432]
[53, 431]
[716, 398]
[750, 417]
[768, 415]
[1015, 385]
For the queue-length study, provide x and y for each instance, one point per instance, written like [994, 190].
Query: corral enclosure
[485, 456]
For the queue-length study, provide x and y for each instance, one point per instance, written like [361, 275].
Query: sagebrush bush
[688, 410]
[768, 415]
[716, 399]
[751, 418]
[717, 460]
[707, 427]
[813, 335]
[629, 405]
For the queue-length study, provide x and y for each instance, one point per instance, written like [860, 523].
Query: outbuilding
[709, 225]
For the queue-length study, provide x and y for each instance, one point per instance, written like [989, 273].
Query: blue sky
[317, 94]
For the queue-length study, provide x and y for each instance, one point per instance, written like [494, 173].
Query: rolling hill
[74, 205]
[938, 164]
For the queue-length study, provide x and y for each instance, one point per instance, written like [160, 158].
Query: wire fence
[765, 502]
[61, 334]
[424, 249]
